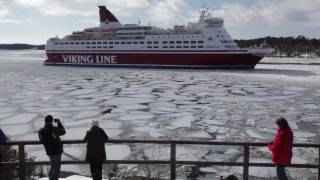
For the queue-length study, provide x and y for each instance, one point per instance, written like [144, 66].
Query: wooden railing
[22, 163]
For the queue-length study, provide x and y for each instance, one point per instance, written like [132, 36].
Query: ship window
[171, 47]
[178, 47]
[93, 47]
[99, 42]
[155, 47]
[88, 47]
[185, 46]
[82, 42]
[123, 42]
[193, 42]
[87, 42]
[116, 42]
[66, 43]
[200, 46]
[110, 46]
[110, 42]
[135, 42]
[99, 47]
[171, 42]
[149, 46]
[193, 46]
[185, 41]
[165, 42]
[77, 42]
[141, 42]
[128, 42]
[179, 42]
[56, 43]
[72, 43]
[105, 46]
[165, 47]
[105, 42]
[61, 43]
[93, 42]
[149, 42]
[201, 42]
[155, 42]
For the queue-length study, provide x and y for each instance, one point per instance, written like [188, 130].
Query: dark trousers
[281, 172]
[96, 171]
[55, 163]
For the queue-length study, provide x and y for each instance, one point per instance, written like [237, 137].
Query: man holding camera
[49, 137]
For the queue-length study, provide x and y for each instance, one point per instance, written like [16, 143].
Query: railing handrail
[150, 141]
[172, 161]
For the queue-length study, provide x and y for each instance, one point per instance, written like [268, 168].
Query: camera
[57, 120]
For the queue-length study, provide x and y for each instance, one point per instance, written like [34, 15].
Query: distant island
[21, 47]
[299, 46]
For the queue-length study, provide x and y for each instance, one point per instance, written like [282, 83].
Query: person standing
[49, 136]
[96, 154]
[281, 147]
[3, 137]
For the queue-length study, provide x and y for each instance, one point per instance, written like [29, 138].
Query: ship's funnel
[106, 15]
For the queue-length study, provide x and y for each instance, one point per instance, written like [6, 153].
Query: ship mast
[204, 14]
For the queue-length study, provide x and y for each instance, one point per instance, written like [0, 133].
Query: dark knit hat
[48, 119]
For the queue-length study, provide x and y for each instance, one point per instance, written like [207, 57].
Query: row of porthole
[165, 47]
[129, 42]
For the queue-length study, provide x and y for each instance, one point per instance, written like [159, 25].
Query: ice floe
[166, 104]
[20, 118]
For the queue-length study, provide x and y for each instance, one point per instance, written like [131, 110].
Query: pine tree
[9, 154]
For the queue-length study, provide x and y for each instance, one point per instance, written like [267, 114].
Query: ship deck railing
[172, 161]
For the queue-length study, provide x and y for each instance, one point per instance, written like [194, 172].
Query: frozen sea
[224, 105]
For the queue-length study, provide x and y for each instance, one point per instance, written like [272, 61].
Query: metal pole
[22, 171]
[246, 162]
[173, 160]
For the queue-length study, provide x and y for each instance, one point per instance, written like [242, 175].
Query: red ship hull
[177, 59]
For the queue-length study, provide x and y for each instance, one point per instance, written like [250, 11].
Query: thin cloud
[5, 15]
[164, 12]
[272, 12]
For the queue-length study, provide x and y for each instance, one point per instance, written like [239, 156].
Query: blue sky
[34, 21]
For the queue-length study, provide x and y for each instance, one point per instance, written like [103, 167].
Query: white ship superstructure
[136, 45]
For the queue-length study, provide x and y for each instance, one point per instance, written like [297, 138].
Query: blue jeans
[55, 163]
[281, 172]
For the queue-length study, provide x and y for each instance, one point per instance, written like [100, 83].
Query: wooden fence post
[173, 160]
[22, 170]
[246, 162]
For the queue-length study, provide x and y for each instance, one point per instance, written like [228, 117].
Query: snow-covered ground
[228, 105]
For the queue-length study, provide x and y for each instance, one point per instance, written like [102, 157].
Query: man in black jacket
[49, 137]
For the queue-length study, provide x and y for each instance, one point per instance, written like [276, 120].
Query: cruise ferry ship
[202, 44]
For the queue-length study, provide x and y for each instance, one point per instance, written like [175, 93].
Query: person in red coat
[281, 147]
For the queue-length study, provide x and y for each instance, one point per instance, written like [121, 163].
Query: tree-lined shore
[21, 47]
[299, 46]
